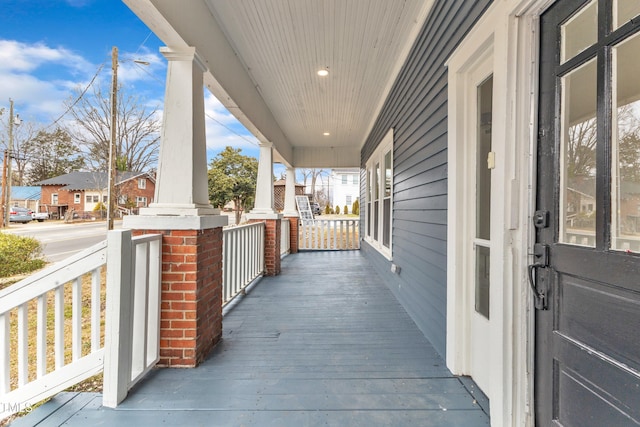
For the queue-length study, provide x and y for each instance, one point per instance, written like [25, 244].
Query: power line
[78, 98]
[232, 131]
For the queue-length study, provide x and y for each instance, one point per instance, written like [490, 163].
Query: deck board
[324, 343]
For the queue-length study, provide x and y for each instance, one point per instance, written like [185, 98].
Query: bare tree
[313, 175]
[137, 130]
[21, 153]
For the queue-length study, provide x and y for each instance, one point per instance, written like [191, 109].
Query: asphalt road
[61, 240]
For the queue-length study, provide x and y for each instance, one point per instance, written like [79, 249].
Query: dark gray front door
[588, 223]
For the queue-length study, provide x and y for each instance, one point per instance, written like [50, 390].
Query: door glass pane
[625, 171]
[578, 156]
[624, 10]
[483, 261]
[483, 173]
[580, 31]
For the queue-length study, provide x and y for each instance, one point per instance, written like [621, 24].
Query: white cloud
[40, 78]
[218, 124]
[22, 57]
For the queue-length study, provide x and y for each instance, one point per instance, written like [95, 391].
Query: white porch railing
[285, 242]
[329, 234]
[242, 258]
[132, 336]
[73, 288]
[45, 350]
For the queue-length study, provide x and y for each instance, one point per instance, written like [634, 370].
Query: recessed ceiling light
[326, 134]
[323, 72]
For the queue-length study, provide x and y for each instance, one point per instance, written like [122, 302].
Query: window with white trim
[379, 196]
[77, 197]
[54, 199]
[141, 201]
[142, 183]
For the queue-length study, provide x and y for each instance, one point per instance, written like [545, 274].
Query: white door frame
[508, 32]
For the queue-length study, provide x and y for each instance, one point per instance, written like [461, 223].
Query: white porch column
[290, 209]
[181, 184]
[264, 186]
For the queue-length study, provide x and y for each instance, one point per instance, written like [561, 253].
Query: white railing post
[119, 319]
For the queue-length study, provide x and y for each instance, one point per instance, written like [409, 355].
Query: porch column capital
[184, 54]
[290, 194]
[264, 186]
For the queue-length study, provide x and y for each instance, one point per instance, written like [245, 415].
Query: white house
[344, 187]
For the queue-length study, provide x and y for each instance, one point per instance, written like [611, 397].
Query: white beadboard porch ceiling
[280, 45]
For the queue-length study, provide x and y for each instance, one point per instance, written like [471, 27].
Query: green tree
[337, 210]
[355, 209]
[630, 157]
[345, 210]
[232, 178]
[51, 154]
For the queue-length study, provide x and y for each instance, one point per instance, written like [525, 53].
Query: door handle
[539, 276]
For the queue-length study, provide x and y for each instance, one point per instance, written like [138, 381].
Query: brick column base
[272, 228]
[191, 311]
[293, 234]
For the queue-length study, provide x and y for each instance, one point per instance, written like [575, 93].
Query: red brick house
[83, 191]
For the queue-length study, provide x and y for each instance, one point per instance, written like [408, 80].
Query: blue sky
[48, 48]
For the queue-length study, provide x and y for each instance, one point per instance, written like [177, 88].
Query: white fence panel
[329, 234]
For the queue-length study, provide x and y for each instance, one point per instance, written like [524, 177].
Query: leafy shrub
[355, 209]
[19, 255]
[337, 210]
[346, 210]
[99, 207]
[327, 209]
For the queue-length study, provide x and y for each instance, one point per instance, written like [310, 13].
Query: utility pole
[8, 159]
[112, 146]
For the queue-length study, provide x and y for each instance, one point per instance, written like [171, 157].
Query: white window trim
[385, 146]
[77, 198]
[142, 183]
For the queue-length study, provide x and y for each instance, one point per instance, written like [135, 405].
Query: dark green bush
[337, 210]
[327, 210]
[346, 210]
[19, 255]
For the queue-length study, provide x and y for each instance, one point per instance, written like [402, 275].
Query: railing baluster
[23, 343]
[59, 326]
[155, 274]
[5, 377]
[139, 343]
[41, 336]
[95, 310]
[76, 325]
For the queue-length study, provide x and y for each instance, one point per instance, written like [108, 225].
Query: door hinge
[539, 275]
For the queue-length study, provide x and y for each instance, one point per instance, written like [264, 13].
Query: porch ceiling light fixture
[326, 134]
[323, 72]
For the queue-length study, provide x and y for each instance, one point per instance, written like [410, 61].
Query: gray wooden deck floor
[325, 343]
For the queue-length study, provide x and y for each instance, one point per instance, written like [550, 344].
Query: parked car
[18, 214]
[40, 216]
[315, 208]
